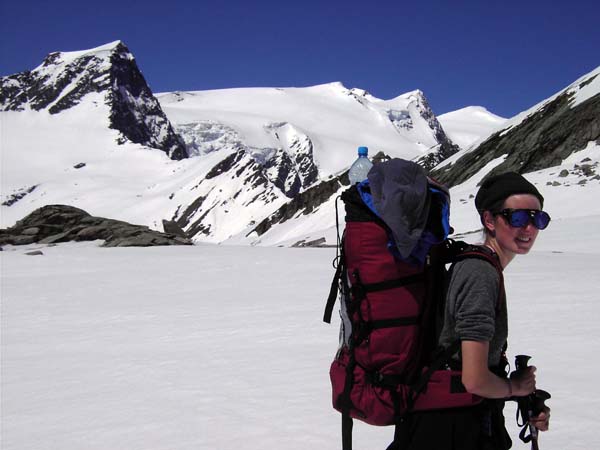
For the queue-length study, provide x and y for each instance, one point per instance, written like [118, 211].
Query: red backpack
[388, 362]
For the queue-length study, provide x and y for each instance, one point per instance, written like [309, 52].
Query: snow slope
[471, 124]
[40, 149]
[336, 119]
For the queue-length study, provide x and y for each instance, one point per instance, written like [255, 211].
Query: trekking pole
[529, 406]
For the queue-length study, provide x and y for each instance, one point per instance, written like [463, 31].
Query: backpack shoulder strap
[481, 252]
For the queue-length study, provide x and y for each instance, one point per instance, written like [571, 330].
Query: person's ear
[489, 222]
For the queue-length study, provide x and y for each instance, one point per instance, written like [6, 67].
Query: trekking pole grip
[526, 406]
[522, 362]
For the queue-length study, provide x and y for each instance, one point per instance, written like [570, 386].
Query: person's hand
[523, 381]
[542, 420]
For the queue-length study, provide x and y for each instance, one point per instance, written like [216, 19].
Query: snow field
[219, 347]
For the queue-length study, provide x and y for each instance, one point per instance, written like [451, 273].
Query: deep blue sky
[505, 56]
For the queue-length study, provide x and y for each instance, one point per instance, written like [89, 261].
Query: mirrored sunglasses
[520, 218]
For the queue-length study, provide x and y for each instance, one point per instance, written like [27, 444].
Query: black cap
[500, 187]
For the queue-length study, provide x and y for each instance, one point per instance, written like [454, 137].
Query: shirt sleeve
[473, 290]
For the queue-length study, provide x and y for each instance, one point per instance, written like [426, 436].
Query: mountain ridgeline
[254, 165]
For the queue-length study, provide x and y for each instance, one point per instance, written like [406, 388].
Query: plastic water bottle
[360, 168]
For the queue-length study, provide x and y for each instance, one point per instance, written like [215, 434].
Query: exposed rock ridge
[135, 111]
[542, 140]
[19, 195]
[61, 223]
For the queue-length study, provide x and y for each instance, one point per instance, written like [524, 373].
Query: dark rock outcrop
[438, 154]
[61, 223]
[171, 227]
[14, 198]
[281, 171]
[316, 243]
[542, 140]
[135, 111]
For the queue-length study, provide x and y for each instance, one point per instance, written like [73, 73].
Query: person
[510, 210]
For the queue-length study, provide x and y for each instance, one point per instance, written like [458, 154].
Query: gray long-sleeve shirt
[472, 310]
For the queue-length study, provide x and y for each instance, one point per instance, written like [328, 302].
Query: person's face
[512, 239]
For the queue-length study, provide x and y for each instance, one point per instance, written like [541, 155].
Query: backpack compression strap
[340, 272]
[333, 293]
[360, 291]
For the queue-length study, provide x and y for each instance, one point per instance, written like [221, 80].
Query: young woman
[510, 209]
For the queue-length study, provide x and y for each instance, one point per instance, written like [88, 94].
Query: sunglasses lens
[541, 219]
[518, 218]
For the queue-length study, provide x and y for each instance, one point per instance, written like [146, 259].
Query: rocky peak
[445, 147]
[410, 112]
[292, 167]
[64, 79]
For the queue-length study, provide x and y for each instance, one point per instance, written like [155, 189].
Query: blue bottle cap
[363, 151]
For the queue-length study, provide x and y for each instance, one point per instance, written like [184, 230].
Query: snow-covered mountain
[556, 144]
[83, 129]
[318, 127]
[253, 165]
